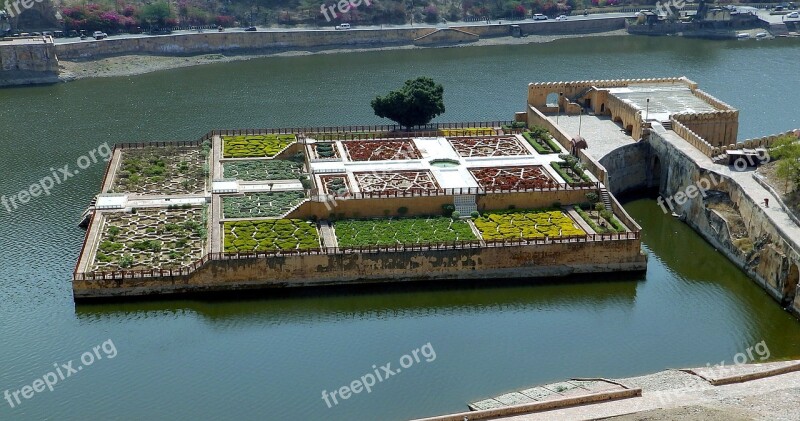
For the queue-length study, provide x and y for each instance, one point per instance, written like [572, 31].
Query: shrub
[475, 214]
[447, 209]
[599, 206]
[455, 215]
[592, 197]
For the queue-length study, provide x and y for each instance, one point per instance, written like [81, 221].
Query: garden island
[528, 198]
[241, 209]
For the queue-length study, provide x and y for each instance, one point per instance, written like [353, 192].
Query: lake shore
[131, 65]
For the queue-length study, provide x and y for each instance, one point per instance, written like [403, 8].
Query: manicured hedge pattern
[256, 170]
[270, 235]
[361, 233]
[269, 205]
[255, 146]
[526, 225]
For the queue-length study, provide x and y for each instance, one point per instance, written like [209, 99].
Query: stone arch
[616, 119]
[602, 108]
[655, 172]
[629, 129]
[552, 99]
[790, 286]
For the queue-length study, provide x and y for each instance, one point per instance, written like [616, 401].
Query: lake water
[270, 357]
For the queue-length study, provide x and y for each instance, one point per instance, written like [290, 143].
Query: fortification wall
[528, 261]
[28, 61]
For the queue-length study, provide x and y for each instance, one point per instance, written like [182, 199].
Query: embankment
[28, 61]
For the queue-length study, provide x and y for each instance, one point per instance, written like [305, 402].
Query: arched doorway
[602, 108]
[790, 286]
[655, 173]
[629, 129]
[552, 99]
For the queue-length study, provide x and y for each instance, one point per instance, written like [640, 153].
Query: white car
[793, 15]
[99, 35]
[343, 26]
[539, 16]
[562, 17]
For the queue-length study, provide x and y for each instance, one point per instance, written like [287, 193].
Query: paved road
[366, 27]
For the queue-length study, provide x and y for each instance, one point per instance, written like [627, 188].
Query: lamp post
[558, 104]
[580, 118]
[647, 110]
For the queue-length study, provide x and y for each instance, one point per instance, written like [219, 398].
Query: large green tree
[416, 103]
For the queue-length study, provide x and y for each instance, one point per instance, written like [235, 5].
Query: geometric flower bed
[381, 150]
[336, 185]
[371, 232]
[541, 140]
[512, 178]
[488, 146]
[277, 169]
[396, 181]
[164, 238]
[261, 205]
[269, 235]
[468, 131]
[151, 170]
[325, 150]
[514, 225]
[255, 146]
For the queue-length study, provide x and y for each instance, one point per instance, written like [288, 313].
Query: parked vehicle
[793, 15]
[342, 26]
[562, 17]
[251, 29]
[98, 35]
[743, 35]
[539, 16]
[761, 35]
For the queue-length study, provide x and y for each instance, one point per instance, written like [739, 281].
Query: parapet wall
[521, 261]
[537, 92]
[26, 61]
[717, 128]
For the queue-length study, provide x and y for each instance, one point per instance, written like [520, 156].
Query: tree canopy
[416, 103]
[787, 150]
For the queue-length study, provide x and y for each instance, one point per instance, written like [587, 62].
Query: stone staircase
[667, 124]
[604, 197]
[778, 29]
[465, 204]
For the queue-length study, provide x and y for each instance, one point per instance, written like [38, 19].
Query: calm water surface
[270, 357]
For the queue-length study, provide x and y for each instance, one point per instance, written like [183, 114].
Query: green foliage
[257, 170]
[270, 204]
[125, 261]
[613, 224]
[787, 150]
[255, 146]
[150, 170]
[156, 13]
[361, 233]
[416, 103]
[592, 197]
[475, 214]
[455, 215]
[109, 246]
[599, 206]
[541, 140]
[534, 224]
[269, 235]
[447, 209]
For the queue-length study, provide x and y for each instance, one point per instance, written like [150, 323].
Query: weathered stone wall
[774, 254]
[215, 42]
[531, 261]
[629, 169]
[28, 61]
[718, 128]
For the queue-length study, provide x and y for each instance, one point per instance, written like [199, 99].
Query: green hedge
[362, 233]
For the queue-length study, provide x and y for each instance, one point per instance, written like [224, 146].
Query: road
[366, 27]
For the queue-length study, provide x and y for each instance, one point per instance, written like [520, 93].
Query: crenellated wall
[717, 128]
